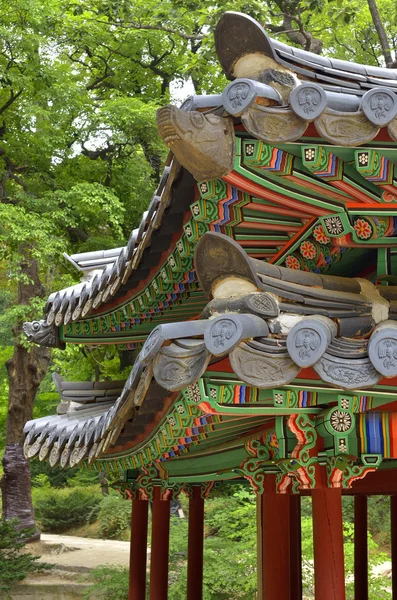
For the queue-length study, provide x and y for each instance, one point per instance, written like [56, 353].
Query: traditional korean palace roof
[256, 289]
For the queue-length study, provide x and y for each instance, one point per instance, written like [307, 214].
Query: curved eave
[114, 284]
[317, 195]
[122, 269]
[237, 36]
[96, 426]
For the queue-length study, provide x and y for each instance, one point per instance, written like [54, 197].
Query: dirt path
[72, 557]
[80, 554]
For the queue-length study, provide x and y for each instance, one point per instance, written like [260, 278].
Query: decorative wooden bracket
[302, 464]
[263, 452]
[205, 489]
[343, 471]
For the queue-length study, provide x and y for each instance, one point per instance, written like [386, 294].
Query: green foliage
[45, 404]
[76, 129]
[62, 509]
[230, 552]
[114, 517]
[15, 565]
[229, 549]
[110, 582]
[379, 519]
[93, 199]
[56, 477]
[83, 478]
[79, 363]
[347, 30]
[41, 481]
[378, 586]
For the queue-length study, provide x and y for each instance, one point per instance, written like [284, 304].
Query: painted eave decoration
[254, 354]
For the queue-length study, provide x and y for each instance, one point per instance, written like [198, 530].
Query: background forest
[80, 82]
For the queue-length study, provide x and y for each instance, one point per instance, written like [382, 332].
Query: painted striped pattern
[378, 433]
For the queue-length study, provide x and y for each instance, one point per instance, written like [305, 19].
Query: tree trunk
[376, 18]
[294, 28]
[26, 369]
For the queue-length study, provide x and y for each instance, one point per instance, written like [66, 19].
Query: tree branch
[380, 30]
[100, 153]
[290, 13]
[165, 28]
[11, 173]
[10, 101]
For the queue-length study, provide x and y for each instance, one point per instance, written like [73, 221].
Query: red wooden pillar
[393, 519]
[360, 548]
[259, 546]
[138, 550]
[295, 547]
[275, 542]
[195, 546]
[329, 573]
[159, 547]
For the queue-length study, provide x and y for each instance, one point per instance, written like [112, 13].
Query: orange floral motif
[363, 229]
[293, 263]
[320, 235]
[308, 250]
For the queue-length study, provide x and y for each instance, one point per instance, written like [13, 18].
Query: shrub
[109, 582]
[62, 509]
[14, 564]
[114, 517]
[229, 549]
[82, 478]
[230, 552]
[56, 476]
[41, 481]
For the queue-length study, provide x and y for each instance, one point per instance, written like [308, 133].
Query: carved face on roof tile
[41, 333]
[203, 144]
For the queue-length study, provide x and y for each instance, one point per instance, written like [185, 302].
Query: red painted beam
[380, 482]
[255, 189]
[195, 546]
[376, 483]
[360, 548]
[138, 550]
[159, 547]
[329, 575]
